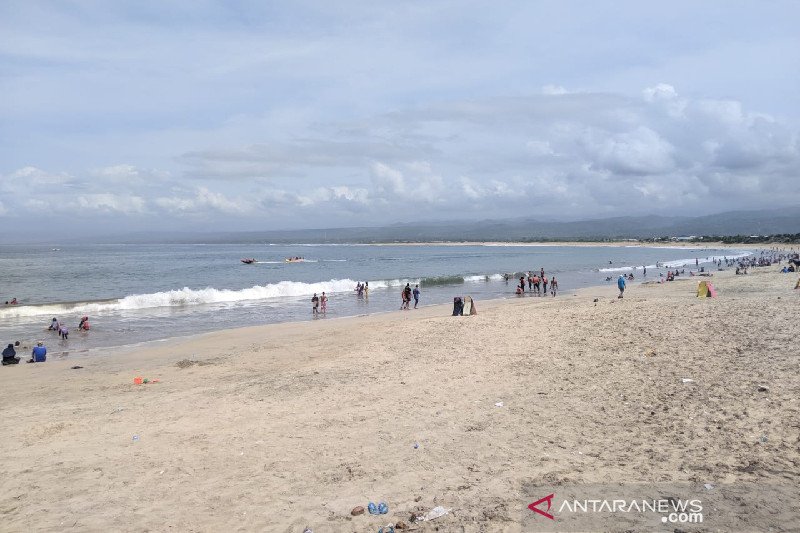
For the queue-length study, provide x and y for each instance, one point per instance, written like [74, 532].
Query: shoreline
[179, 339]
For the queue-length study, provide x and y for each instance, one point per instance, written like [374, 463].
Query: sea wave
[181, 298]
[678, 262]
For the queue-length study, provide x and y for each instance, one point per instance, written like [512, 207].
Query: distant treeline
[780, 238]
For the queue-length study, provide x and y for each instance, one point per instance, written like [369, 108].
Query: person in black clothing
[10, 356]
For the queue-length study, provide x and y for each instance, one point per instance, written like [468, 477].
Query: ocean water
[140, 293]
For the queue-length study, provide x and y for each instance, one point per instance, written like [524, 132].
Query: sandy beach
[279, 427]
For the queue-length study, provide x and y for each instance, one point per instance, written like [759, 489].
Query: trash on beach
[763, 438]
[135, 438]
[381, 508]
[499, 404]
[308, 530]
[708, 486]
[687, 380]
[76, 367]
[763, 388]
[400, 525]
[416, 445]
[144, 381]
[357, 511]
[435, 513]
[388, 528]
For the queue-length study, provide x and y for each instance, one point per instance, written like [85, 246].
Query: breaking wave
[677, 263]
[188, 297]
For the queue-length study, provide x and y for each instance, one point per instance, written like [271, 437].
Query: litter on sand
[499, 404]
[435, 513]
[687, 380]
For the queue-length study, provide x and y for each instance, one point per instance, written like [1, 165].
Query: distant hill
[766, 222]
[519, 229]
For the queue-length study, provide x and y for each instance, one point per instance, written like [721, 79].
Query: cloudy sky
[126, 116]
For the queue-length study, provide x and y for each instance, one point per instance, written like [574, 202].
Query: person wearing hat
[39, 353]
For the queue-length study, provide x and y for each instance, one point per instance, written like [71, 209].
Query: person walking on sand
[323, 303]
[621, 285]
[553, 286]
[315, 304]
[544, 285]
[416, 294]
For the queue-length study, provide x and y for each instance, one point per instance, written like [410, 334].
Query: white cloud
[105, 203]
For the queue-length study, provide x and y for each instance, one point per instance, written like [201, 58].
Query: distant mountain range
[521, 229]
[766, 222]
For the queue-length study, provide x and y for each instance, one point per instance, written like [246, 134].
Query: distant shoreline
[609, 244]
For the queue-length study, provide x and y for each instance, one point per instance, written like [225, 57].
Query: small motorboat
[294, 260]
[248, 261]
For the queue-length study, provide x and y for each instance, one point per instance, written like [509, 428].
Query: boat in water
[248, 261]
[295, 260]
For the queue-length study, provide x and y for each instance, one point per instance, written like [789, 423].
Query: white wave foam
[183, 297]
[677, 263]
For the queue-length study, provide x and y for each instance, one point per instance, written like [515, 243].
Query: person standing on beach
[621, 285]
[315, 304]
[416, 295]
[554, 286]
[522, 283]
[323, 303]
[544, 285]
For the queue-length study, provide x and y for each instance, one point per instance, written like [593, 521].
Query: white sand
[282, 426]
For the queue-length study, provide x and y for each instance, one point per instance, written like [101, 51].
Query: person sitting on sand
[39, 353]
[10, 355]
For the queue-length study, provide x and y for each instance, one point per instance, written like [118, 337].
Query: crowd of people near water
[39, 351]
[537, 283]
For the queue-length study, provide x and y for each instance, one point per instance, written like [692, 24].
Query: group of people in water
[319, 304]
[406, 295]
[537, 284]
[39, 352]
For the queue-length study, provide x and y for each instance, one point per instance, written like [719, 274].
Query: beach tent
[469, 306]
[706, 290]
[464, 306]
